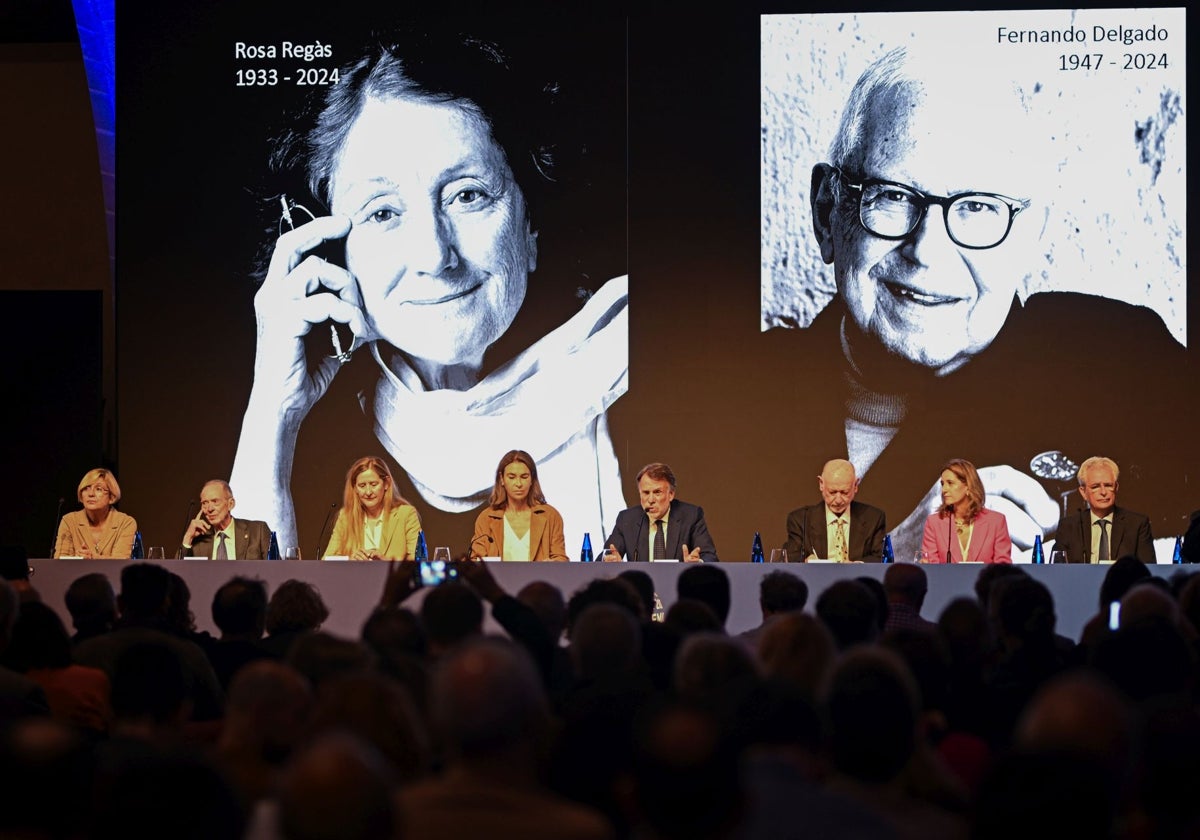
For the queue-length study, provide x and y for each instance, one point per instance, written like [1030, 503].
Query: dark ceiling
[37, 22]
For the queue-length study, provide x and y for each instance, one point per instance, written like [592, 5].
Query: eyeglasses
[975, 220]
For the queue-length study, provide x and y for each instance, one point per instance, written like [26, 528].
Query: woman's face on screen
[440, 241]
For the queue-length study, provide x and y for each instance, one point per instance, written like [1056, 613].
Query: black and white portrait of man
[978, 227]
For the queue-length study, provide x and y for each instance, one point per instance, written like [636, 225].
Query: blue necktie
[222, 553]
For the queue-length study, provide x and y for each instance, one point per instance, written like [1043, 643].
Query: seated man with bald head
[1102, 532]
[215, 534]
[838, 528]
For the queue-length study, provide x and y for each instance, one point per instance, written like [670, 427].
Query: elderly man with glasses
[928, 211]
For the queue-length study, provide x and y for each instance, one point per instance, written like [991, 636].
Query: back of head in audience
[451, 614]
[850, 611]
[548, 604]
[617, 591]
[798, 649]
[687, 616]
[268, 705]
[381, 712]
[39, 640]
[989, 574]
[1120, 578]
[92, 603]
[875, 587]
[295, 606]
[685, 775]
[781, 592]
[149, 689]
[708, 583]
[711, 664]
[1024, 608]
[239, 608]
[906, 583]
[338, 788]
[15, 568]
[606, 644]
[320, 656]
[871, 705]
[145, 590]
[487, 702]
[644, 584]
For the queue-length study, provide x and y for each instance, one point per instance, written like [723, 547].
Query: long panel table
[351, 590]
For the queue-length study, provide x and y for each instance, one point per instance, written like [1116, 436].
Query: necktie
[843, 554]
[222, 552]
[1103, 554]
[660, 541]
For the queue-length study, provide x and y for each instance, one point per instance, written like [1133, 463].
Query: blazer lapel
[820, 532]
[1118, 531]
[241, 534]
[1085, 528]
[385, 535]
[675, 526]
[537, 529]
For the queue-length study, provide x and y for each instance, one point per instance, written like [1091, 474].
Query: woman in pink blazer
[971, 532]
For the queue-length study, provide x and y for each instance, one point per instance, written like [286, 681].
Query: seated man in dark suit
[1102, 532]
[660, 528]
[839, 528]
[215, 534]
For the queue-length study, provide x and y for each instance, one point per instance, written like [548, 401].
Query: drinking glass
[779, 555]
[292, 552]
[1058, 555]
[442, 553]
[155, 553]
[920, 556]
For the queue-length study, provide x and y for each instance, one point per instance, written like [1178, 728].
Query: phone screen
[435, 572]
[1114, 615]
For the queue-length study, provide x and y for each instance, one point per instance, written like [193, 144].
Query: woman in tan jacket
[517, 524]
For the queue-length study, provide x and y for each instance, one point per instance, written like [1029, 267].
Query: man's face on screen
[924, 297]
[440, 243]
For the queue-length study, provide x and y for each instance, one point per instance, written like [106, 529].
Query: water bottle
[421, 552]
[1177, 554]
[1039, 556]
[756, 552]
[889, 554]
[585, 553]
[273, 548]
[139, 552]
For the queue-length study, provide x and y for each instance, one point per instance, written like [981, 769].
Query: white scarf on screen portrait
[550, 401]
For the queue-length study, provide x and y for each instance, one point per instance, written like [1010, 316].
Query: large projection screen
[680, 153]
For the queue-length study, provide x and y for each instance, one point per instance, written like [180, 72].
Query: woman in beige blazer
[99, 529]
[375, 522]
[517, 524]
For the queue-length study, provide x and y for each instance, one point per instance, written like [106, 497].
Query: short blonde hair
[100, 476]
[1098, 461]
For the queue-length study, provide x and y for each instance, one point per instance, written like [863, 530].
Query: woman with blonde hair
[99, 529]
[517, 524]
[963, 530]
[375, 522]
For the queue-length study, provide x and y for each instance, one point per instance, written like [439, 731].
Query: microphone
[324, 525]
[950, 535]
[471, 548]
[186, 523]
[57, 517]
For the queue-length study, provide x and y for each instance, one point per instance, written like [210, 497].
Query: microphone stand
[324, 525]
[950, 536]
[471, 548]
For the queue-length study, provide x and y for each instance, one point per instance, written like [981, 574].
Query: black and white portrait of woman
[412, 240]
